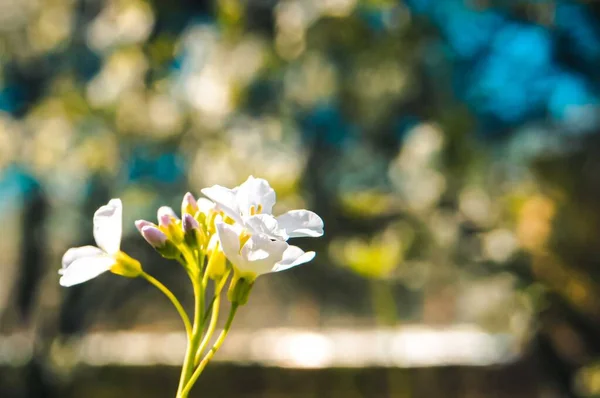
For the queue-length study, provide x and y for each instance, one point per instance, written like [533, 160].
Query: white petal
[76, 253]
[213, 243]
[265, 224]
[84, 269]
[108, 224]
[205, 205]
[299, 223]
[258, 193]
[261, 254]
[292, 257]
[230, 241]
[225, 200]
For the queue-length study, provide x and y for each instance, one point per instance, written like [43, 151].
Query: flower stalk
[216, 304]
[184, 317]
[199, 287]
[211, 352]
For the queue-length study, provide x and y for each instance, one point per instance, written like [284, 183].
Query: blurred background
[452, 148]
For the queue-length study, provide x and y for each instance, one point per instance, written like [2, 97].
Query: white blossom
[81, 264]
[251, 205]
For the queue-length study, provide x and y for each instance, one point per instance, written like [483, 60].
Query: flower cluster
[232, 237]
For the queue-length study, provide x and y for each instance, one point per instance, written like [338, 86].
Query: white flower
[258, 254]
[251, 205]
[80, 264]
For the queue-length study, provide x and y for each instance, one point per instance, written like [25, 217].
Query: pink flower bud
[154, 236]
[189, 223]
[140, 224]
[166, 215]
[189, 204]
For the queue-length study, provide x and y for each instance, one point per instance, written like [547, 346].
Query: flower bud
[154, 236]
[140, 224]
[189, 205]
[239, 289]
[191, 231]
[160, 242]
[166, 216]
[189, 223]
[167, 221]
[217, 263]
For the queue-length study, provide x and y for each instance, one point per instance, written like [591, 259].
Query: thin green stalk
[192, 342]
[213, 320]
[210, 353]
[208, 311]
[176, 303]
[209, 333]
[200, 258]
[188, 363]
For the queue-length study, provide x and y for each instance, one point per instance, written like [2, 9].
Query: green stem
[176, 303]
[200, 258]
[210, 353]
[211, 330]
[190, 348]
[208, 311]
[188, 363]
[216, 304]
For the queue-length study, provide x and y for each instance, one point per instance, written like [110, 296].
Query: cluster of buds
[193, 234]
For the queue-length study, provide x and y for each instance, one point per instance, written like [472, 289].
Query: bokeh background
[452, 148]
